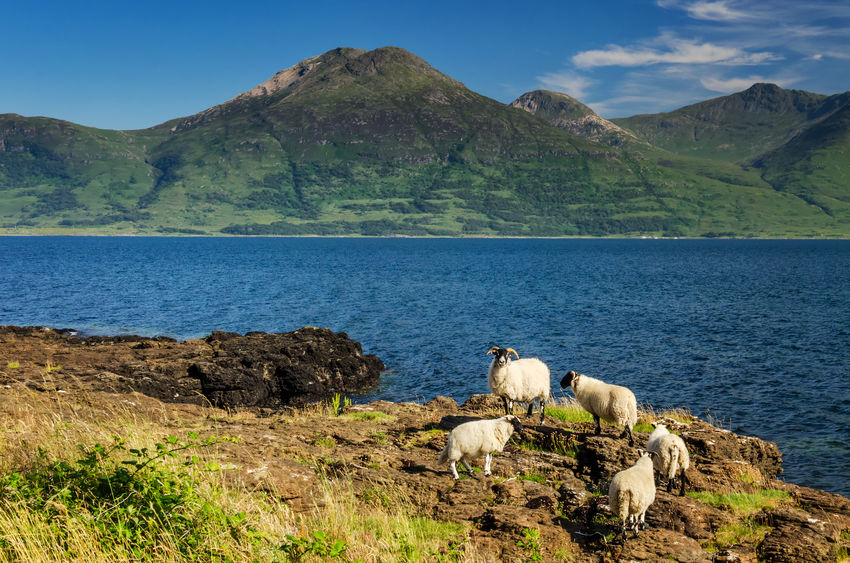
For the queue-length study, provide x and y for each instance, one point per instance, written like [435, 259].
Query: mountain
[571, 115]
[815, 164]
[381, 143]
[738, 127]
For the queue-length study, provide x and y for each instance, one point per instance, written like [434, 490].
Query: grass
[569, 411]
[743, 532]
[535, 477]
[325, 442]
[743, 504]
[369, 416]
[132, 492]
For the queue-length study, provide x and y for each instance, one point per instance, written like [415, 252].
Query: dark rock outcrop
[225, 369]
[274, 370]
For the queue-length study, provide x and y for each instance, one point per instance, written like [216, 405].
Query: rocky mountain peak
[569, 114]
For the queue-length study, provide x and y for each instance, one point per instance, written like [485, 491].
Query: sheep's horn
[512, 351]
[491, 350]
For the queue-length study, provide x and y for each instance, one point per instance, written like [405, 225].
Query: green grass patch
[743, 532]
[369, 416]
[569, 412]
[325, 442]
[565, 445]
[380, 438]
[643, 427]
[531, 446]
[536, 477]
[743, 504]
[13, 365]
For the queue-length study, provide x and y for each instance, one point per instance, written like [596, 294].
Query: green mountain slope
[377, 143]
[734, 128]
[815, 165]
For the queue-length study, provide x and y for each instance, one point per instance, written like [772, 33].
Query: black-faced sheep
[672, 457]
[613, 403]
[519, 381]
[472, 440]
[631, 492]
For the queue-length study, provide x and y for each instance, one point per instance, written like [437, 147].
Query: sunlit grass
[743, 504]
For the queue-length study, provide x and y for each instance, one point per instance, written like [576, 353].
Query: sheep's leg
[466, 464]
[487, 464]
[505, 403]
[453, 465]
[670, 484]
[598, 425]
[628, 432]
[542, 410]
[530, 406]
[684, 480]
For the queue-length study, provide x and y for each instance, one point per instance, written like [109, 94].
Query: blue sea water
[754, 334]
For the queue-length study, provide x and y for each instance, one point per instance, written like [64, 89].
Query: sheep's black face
[501, 357]
[515, 422]
[568, 379]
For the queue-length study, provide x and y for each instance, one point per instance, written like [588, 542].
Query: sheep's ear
[492, 350]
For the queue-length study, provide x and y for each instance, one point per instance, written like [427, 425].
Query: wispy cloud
[715, 11]
[713, 47]
[567, 82]
[673, 50]
[729, 85]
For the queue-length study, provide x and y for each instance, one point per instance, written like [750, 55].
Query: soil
[553, 479]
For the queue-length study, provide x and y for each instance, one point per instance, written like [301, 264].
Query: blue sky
[127, 65]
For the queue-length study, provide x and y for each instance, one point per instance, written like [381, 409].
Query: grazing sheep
[631, 492]
[671, 459]
[520, 381]
[472, 440]
[613, 403]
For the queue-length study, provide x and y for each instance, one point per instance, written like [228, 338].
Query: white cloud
[715, 11]
[567, 82]
[674, 51]
[730, 85]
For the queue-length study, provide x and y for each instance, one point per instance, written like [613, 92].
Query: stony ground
[551, 480]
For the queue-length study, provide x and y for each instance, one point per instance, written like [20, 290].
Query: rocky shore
[552, 482]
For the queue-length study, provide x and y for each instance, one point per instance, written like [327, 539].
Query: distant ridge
[355, 142]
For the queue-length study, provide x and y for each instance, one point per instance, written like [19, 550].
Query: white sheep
[520, 381]
[631, 492]
[672, 457]
[613, 403]
[472, 440]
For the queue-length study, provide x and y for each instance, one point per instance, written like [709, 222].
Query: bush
[131, 499]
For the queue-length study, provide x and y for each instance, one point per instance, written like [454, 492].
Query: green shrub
[131, 498]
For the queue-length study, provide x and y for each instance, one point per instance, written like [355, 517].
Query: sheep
[471, 440]
[520, 381]
[613, 403]
[631, 492]
[672, 457]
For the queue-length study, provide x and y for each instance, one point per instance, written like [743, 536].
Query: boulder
[275, 370]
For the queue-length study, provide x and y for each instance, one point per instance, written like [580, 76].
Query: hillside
[355, 142]
[108, 457]
[735, 128]
[815, 164]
